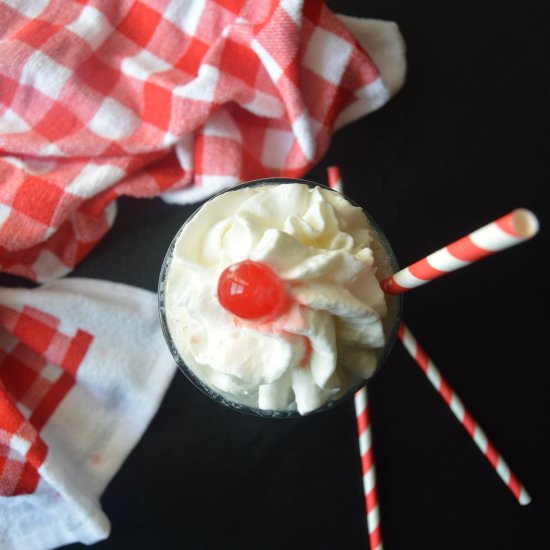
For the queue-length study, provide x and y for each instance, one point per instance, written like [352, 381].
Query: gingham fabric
[100, 99]
[77, 390]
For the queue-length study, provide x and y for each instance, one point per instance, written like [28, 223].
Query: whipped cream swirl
[320, 246]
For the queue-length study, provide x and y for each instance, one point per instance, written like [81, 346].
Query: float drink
[334, 323]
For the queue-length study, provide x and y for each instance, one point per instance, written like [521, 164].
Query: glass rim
[214, 394]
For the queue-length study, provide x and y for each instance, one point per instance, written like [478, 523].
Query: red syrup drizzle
[254, 293]
[308, 352]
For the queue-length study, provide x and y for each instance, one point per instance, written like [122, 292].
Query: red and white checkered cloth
[77, 390]
[100, 99]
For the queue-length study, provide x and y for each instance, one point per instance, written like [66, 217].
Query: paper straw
[364, 430]
[334, 178]
[514, 228]
[369, 472]
[464, 417]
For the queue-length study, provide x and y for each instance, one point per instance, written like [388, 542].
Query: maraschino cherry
[252, 290]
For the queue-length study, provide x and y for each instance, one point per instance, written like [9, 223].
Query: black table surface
[463, 143]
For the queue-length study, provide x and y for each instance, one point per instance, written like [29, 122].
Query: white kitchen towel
[83, 368]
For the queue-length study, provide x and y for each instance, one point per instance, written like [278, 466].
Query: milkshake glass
[344, 382]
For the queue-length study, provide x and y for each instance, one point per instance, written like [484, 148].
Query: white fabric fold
[119, 384]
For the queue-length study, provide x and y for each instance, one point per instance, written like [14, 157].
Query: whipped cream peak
[325, 340]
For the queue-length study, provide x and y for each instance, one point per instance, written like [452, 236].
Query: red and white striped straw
[464, 417]
[369, 472]
[364, 430]
[334, 178]
[513, 228]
